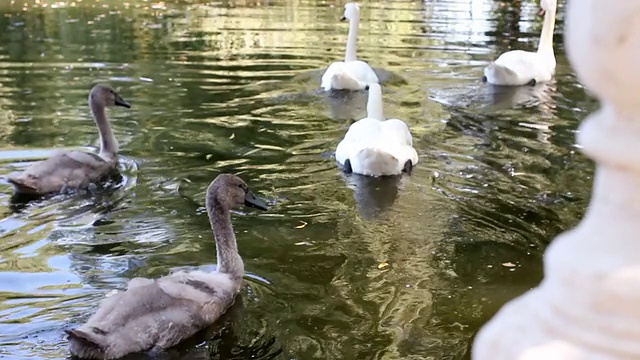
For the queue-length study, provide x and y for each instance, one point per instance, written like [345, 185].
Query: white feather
[375, 146]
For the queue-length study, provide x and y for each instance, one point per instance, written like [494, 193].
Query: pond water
[340, 267]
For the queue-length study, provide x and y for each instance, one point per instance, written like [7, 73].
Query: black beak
[541, 12]
[251, 200]
[344, 18]
[120, 102]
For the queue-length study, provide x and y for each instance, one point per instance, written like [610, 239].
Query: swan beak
[344, 18]
[541, 12]
[251, 200]
[120, 102]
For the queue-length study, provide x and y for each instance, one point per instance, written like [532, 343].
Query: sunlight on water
[341, 266]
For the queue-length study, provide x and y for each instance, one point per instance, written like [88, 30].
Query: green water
[232, 86]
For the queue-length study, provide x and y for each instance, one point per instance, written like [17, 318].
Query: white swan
[519, 67]
[374, 146]
[350, 74]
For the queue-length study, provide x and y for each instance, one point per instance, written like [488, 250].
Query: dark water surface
[340, 267]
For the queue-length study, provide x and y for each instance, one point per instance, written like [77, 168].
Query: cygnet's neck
[352, 39]
[545, 46]
[108, 143]
[229, 261]
[374, 104]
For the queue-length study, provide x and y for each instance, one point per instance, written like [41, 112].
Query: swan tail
[23, 183]
[84, 344]
[376, 162]
[497, 74]
[344, 81]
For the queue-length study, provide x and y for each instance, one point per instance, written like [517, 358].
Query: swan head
[351, 12]
[374, 101]
[229, 191]
[104, 95]
[547, 5]
[376, 88]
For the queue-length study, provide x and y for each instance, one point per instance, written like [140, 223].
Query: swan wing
[361, 134]
[69, 169]
[362, 71]
[399, 141]
[333, 69]
[202, 287]
[151, 313]
[135, 320]
[396, 132]
[351, 75]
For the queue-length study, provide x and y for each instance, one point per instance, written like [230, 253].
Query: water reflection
[373, 195]
[487, 98]
[347, 105]
[232, 87]
[509, 97]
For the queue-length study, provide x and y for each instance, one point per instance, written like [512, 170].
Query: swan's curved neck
[374, 104]
[546, 36]
[108, 143]
[352, 39]
[229, 260]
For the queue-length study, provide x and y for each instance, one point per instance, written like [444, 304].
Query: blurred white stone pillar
[588, 305]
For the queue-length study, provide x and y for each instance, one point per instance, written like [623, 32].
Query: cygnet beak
[251, 200]
[120, 102]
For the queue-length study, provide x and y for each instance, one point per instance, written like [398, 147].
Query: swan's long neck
[352, 39]
[108, 143]
[546, 37]
[229, 261]
[374, 104]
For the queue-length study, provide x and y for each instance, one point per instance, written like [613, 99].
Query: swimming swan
[350, 74]
[374, 146]
[75, 169]
[519, 67]
[155, 314]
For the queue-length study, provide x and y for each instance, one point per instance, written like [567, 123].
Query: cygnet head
[547, 5]
[103, 95]
[229, 191]
[351, 12]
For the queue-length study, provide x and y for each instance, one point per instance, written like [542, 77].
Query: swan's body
[160, 313]
[520, 67]
[75, 169]
[374, 146]
[350, 74]
[153, 313]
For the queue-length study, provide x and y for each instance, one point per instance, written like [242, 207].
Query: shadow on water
[346, 105]
[98, 191]
[488, 99]
[374, 195]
